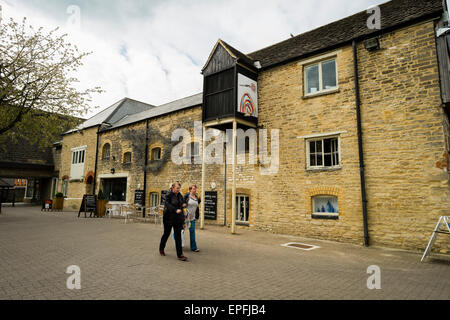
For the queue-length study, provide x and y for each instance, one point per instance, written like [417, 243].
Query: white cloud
[167, 42]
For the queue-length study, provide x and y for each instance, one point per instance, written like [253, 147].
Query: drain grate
[301, 246]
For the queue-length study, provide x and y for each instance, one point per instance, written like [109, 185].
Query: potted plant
[58, 201]
[101, 203]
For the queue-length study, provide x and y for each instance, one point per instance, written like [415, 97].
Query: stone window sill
[321, 93]
[321, 169]
[245, 224]
[325, 215]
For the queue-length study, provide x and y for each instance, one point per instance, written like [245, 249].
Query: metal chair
[127, 210]
[152, 212]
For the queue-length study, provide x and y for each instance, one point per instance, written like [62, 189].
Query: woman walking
[192, 202]
[173, 217]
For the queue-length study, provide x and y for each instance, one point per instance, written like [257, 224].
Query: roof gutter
[360, 144]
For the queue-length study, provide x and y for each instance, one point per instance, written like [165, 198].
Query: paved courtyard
[121, 261]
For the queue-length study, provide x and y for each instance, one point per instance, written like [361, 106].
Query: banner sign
[247, 96]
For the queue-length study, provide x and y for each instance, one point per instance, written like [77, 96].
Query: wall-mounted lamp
[113, 170]
[372, 44]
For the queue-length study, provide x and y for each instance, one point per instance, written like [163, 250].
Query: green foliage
[101, 195]
[59, 195]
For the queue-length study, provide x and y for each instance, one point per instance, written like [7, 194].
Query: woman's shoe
[161, 252]
[182, 258]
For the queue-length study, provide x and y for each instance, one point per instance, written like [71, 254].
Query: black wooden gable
[220, 81]
[223, 57]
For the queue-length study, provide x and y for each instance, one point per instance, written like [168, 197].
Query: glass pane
[312, 147]
[326, 204]
[247, 208]
[327, 145]
[312, 79]
[329, 74]
[312, 160]
[82, 160]
[73, 157]
[319, 146]
[328, 160]
[319, 160]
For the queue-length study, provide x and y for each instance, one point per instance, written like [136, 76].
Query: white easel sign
[442, 227]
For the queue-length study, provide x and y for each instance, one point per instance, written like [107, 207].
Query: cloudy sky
[153, 50]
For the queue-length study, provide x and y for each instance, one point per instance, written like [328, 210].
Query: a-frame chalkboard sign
[88, 204]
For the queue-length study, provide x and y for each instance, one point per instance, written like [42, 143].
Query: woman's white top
[191, 208]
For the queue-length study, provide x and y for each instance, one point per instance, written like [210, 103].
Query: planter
[58, 204]
[101, 207]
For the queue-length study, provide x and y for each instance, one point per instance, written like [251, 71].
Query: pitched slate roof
[393, 14]
[114, 113]
[167, 108]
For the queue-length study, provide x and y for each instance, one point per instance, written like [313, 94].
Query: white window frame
[314, 212]
[238, 204]
[65, 187]
[103, 151]
[160, 154]
[320, 90]
[78, 161]
[322, 138]
[152, 194]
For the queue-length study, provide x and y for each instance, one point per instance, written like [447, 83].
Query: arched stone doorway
[89, 183]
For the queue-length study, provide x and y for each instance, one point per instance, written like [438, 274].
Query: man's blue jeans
[192, 235]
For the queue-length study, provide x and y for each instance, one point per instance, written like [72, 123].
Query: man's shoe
[161, 252]
[196, 250]
[182, 258]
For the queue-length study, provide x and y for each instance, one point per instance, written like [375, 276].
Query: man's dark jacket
[172, 204]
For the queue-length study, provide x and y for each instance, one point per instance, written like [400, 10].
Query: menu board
[139, 197]
[88, 204]
[211, 205]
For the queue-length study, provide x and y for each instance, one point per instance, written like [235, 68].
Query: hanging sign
[247, 96]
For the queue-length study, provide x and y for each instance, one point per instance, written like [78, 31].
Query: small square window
[323, 153]
[156, 154]
[321, 77]
[127, 157]
[324, 205]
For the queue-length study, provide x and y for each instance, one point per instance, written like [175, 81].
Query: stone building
[357, 126]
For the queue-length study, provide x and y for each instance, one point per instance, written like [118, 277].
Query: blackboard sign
[163, 197]
[88, 204]
[139, 197]
[211, 205]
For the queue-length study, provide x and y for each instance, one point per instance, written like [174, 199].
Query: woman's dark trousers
[177, 232]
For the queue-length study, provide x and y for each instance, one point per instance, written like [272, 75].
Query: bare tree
[38, 98]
